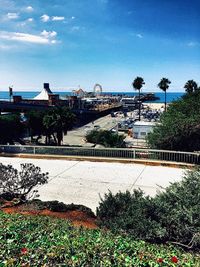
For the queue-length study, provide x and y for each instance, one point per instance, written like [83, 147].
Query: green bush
[57, 206]
[178, 209]
[131, 213]
[105, 138]
[173, 215]
[43, 241]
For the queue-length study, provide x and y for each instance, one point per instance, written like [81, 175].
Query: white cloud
[30, 20]
[54, 42]
[57, 18]
[43, 38]
[12, 16]
[29, 9]
[45, 18]
[49, 34]
[139, 35]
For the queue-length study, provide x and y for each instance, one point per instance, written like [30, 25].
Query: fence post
[34, 150]
[134, 153]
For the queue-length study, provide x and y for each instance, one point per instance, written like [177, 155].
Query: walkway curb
[102, 159]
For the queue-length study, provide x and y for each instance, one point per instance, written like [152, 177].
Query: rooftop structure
[44, 94]
[142, 128]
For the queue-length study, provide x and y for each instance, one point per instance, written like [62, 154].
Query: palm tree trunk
[165, 101]
[139, 106]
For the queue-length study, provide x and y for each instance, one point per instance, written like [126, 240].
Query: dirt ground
[76, 217]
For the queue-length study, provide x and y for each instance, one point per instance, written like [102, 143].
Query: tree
[191, 86]
[35, 123]
[179, 127]
[164, 85]
[137, 85]
[10, 128]
[20, 184]
[57, 122]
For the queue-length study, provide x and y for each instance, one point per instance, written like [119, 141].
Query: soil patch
[76, 217]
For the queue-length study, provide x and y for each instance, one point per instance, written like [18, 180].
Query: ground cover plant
[171, 216]
[43, 241]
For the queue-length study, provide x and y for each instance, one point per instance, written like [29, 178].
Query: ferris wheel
[97, 89]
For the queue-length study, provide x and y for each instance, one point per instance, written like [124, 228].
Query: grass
[43, 241]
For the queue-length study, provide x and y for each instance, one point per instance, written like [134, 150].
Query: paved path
[83, 182]
[76, 136]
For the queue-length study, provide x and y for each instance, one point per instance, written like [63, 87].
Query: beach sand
[154, 106]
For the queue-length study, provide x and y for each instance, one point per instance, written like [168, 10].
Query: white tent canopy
[44, 94]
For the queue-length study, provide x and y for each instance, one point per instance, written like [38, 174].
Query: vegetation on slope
[172, 215]
[179, 128]
[43, 241]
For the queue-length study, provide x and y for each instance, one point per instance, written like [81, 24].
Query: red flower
[24, 250]
[174, 259]
[160, 260]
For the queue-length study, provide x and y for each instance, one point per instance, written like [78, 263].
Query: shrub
[130, 213]
[20, 184]
[173, 215]
[178, 209]
[106, 138]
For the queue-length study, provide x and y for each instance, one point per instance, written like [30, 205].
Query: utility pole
[10, 92]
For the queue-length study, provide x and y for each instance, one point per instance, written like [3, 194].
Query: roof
[43, 95]
[145, 123]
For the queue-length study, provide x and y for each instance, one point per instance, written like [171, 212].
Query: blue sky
[82, 42]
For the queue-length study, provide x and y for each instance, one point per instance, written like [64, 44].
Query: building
[142, 128]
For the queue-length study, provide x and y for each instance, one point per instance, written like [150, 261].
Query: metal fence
[125, 153]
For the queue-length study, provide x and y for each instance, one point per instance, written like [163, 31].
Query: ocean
[30, 94]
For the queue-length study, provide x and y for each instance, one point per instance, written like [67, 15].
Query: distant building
[44, 94]
[142, 128]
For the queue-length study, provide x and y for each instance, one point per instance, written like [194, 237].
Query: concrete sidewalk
[83, 182]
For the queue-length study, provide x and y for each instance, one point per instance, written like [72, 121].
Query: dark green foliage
[54, 122]
[106, 138]
[178, 209]
[42, 241]
[60, 206]
[130, 213]
[180, 126]
[20, 184]
[173, 215]
[191, 86]
[35, 122]
[57, 122]
[10, 128]
[137, 85]
[164, 85]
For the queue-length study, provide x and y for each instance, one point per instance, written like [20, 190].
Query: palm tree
[191, 86]
[164, 85]
[137, 85]
[56, 122]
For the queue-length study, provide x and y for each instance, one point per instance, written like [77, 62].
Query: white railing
[125, 153]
